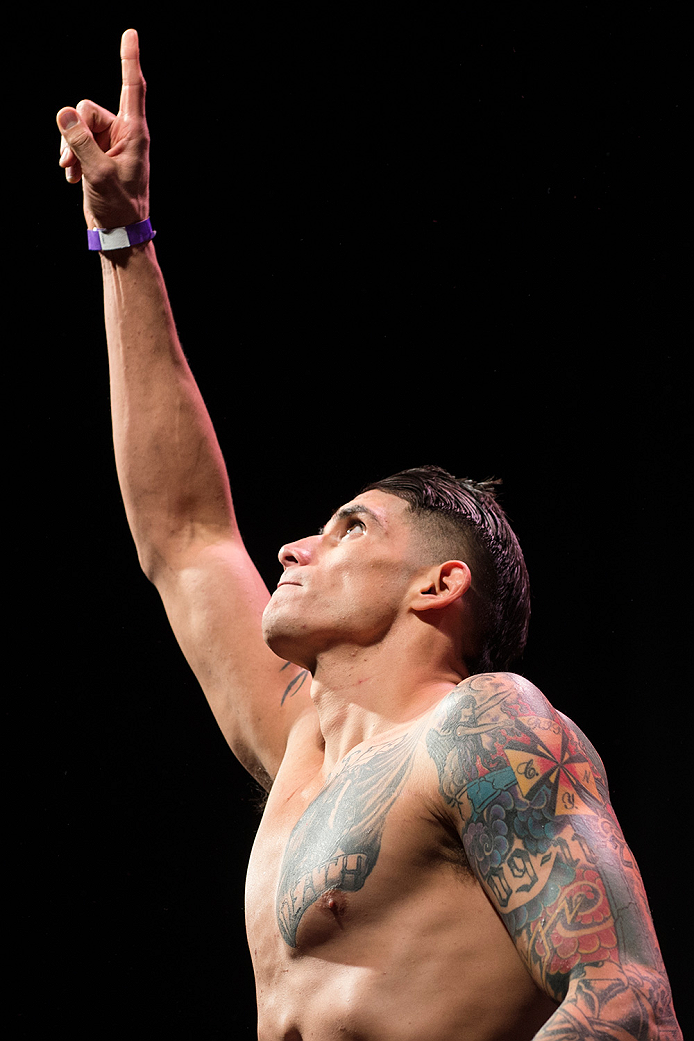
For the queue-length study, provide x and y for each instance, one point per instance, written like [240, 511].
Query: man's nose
[299, 552]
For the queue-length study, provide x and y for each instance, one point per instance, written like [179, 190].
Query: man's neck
[362, 693]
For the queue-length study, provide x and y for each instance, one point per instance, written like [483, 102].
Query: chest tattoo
[336, 842]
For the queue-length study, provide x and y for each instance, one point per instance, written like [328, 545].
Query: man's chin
[283, 642]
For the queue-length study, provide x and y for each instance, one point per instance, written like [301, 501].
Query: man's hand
[110, 153]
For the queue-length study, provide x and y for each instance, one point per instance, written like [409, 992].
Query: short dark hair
[461, 519]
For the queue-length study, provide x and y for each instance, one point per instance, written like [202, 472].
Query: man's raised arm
[171, 472]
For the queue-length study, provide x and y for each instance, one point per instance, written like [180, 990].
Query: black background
[430, 237]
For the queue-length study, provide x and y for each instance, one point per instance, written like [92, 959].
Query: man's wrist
[107, 239]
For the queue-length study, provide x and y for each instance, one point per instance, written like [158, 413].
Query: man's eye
[354, 526]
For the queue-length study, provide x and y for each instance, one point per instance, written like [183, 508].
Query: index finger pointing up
[132, 98]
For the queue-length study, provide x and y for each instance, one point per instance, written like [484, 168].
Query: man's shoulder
[493, 699]
[497, 696]
[502, 723]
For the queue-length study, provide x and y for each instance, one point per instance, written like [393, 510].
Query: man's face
[345, 586]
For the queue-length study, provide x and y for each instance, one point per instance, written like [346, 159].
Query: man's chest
[349, 848]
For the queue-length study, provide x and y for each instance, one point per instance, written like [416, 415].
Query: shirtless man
[438, 859]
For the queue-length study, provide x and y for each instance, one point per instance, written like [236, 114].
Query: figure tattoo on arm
[531, 803]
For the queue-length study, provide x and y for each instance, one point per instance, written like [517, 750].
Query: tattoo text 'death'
[336, 842]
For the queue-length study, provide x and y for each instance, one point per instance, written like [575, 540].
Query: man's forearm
[609, 1002]
[170, 467]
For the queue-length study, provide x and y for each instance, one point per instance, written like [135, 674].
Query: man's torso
[364, 918]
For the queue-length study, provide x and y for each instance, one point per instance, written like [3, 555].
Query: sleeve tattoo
[530, 800]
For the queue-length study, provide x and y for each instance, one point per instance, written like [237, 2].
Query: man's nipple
[334, 903]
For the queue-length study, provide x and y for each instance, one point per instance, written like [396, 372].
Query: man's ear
[441, 586]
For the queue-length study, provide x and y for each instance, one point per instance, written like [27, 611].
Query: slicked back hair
[460, 519]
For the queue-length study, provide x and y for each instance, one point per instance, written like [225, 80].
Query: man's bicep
[585, 932]
[215, 601]
[529, 799]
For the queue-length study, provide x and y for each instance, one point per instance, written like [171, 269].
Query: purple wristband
[120, 238]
